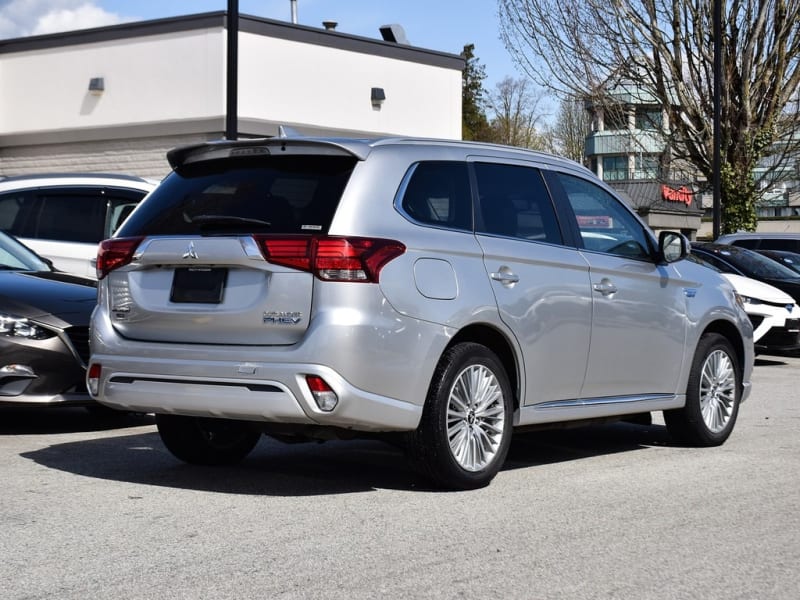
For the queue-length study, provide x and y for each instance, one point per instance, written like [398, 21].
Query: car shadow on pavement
[770, 361]
[309, 469]
[27, 420]
[551, 446]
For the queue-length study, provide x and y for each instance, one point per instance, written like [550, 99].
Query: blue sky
[444, 25]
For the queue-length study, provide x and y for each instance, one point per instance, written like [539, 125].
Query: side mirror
[672, 246]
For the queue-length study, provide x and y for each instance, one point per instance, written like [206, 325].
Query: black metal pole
[232, 83]
[717, 162]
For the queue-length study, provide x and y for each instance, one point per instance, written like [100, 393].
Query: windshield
[701, 261]
[16, 257]
[292, 194]
[754, 264]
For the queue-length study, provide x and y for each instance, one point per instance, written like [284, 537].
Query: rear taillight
[332, 258]
[115, 253]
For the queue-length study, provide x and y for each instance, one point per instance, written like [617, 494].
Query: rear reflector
[332, 258]
[93, 378]
[324, 396]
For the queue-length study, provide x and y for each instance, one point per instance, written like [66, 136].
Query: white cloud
[19, 18]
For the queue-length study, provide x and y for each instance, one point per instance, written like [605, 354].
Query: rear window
[291, 194]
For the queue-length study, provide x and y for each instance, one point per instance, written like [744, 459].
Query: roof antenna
[284, 132]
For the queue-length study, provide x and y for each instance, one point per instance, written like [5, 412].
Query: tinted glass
[292, 194]
[791, 245]
[515, 202]
[753, 264]
[438, 194]
[119, 205]
[71, 217]
[14, 209]
[604, 223]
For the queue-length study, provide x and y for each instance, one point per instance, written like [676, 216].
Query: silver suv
[442, 293]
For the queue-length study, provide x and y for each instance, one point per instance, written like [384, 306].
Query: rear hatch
[220, 253]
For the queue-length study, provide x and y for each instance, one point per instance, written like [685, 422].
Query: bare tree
[518, 119]
[571, 128]
[665, 49]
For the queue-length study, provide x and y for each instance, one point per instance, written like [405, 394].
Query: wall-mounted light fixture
[377, 96]
[97, 85]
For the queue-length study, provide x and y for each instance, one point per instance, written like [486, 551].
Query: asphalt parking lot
[96, 508]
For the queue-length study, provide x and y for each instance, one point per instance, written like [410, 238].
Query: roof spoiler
[194, 153]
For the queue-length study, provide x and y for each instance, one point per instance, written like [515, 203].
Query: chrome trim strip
[595, 408]
[606, 400]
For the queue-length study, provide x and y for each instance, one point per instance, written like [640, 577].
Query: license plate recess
[198, 285]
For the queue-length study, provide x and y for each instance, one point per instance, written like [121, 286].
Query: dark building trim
[247, 24]
[352, 43]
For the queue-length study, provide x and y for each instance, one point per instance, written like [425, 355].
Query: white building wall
[329, 88]
[148, 79]
[165, 85]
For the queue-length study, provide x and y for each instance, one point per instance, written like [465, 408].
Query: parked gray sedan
[443, 293]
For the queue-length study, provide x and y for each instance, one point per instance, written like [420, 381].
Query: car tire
[465, 430]
[712, 395]
[205, 441]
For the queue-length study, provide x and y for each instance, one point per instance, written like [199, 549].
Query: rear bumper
[273, 393]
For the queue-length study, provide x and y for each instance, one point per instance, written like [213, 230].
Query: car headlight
[12, 326]
[749, 300]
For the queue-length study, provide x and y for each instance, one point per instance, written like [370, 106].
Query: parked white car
[63, 217]
[774, 314]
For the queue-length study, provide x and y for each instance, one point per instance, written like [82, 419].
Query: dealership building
[115, 99]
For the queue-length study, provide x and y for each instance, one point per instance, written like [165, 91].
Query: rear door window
[77, 216]
[514, 202]
[282, 195]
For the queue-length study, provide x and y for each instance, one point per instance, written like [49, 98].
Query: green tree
[665, 48]
[474, 124]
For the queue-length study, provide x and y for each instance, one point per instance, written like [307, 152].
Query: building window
[615, 168]
[648, 118]
[616, 119]
[646, 167]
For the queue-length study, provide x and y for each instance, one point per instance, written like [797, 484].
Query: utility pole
[232, 83]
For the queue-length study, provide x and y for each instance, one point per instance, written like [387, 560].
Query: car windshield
[754, 264]
[16, 257]
[787, 259]
[701, 261]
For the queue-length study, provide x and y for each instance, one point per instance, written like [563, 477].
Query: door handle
[505, 277]
[605, 287]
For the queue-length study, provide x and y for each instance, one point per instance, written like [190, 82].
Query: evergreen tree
[474, 124]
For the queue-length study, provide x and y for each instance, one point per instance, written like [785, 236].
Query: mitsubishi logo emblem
[191, 252]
